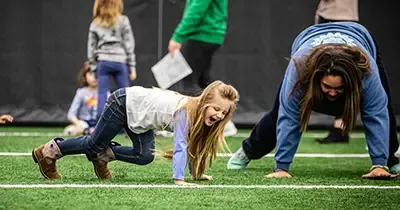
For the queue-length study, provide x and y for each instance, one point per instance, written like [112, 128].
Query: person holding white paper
[171, 69]
[199, 34]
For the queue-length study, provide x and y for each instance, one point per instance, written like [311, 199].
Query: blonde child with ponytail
[111, 47]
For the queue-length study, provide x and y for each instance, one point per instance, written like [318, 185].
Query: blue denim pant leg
[111, 121]
[105, 70]
[142, 151]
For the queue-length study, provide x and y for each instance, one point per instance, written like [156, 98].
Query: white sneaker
[164, 133]
[230, 129]
[239, 160]
[397, 153]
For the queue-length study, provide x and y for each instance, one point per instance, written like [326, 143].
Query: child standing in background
[83, 110]
[111, 47]
[198, 124]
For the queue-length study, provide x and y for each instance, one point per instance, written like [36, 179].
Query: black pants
[323, 20]
[393, 140]
[199, 57]
[262, 139]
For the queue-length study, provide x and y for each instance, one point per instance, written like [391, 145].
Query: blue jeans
[112, 120]
[105, 69]
[92, 123]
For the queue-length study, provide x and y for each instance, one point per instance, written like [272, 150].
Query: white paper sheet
[171, 69]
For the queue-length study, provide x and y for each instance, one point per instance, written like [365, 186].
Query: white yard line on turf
[35, 186]
[308, 135]
[309, 155]
[239, 135]
[28, 134]
[306, 155]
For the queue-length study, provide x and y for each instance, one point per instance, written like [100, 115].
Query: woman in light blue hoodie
[332, 71]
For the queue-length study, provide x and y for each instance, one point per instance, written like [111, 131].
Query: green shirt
[203, 20]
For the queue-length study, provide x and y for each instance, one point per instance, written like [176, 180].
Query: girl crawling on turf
[197, 122]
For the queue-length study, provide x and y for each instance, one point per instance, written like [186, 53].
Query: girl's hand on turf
[278, 174]
[183, 183]
[205, 178]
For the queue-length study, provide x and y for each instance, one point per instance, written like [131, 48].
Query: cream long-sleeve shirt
[152, 108]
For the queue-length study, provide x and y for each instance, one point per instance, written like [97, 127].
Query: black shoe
[86, 132]
[335, 136]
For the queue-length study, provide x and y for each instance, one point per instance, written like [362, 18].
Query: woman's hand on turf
[182, 182]
[278, 174]
[378, 173]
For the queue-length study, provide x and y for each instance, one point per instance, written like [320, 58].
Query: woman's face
[332, 86]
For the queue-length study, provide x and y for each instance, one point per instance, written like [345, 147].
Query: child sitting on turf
[83, 110]
[197, 122]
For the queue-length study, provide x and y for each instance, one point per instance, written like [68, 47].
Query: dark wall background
[43, 45]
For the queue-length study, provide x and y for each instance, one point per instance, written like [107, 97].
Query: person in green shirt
[199, 34]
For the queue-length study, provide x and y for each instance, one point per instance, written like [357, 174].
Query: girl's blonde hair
[105, 12]
[203, 141]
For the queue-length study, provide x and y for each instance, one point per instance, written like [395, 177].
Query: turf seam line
[240, 135]
[35, 186]
[305, 155]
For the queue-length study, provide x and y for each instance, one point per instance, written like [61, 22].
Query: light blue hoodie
[374, 113]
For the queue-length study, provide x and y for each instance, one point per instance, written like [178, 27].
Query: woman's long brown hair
[204, 141]
[350, 63]
[105, 12]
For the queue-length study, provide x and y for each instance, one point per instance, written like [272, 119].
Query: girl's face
[217, 111]
[91, 79]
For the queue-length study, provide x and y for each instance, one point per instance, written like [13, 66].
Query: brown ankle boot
[100, 163]
[45, 156]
